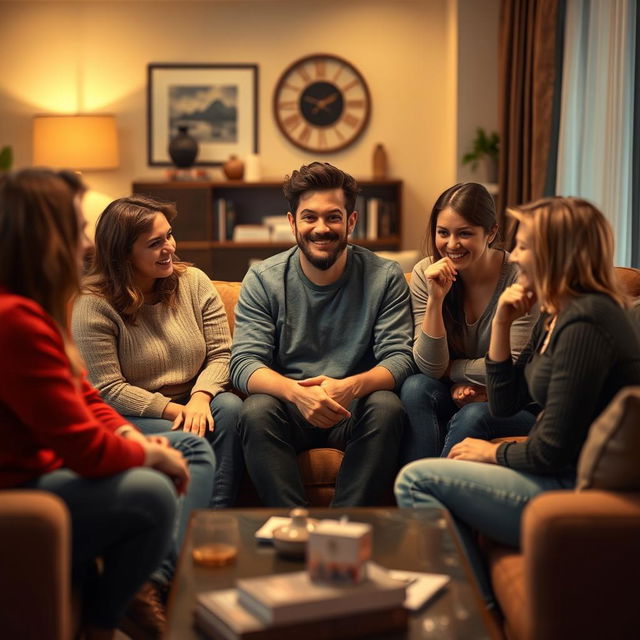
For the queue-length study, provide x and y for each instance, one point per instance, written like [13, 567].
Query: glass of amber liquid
[214, 539]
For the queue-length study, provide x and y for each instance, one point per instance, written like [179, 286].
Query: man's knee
[260, 412]
[385, 411]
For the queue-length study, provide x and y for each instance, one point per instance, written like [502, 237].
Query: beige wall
[477, 77]
[92, 56]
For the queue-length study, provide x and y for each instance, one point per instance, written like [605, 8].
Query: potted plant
[485, 148]
[6, 158]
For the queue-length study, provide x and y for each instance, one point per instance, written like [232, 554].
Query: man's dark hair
[319, 176]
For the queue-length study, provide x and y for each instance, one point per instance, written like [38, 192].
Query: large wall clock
[321, 103]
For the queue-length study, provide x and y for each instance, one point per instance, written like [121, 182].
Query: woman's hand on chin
[440, 277]
[475, 450]
[514, 302]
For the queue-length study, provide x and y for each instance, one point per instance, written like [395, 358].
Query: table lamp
[78, 142]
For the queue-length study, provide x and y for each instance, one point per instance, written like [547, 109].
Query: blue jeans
[435, 423]
[126, 519]
[273, 432]
[484, 498]
[224, 439]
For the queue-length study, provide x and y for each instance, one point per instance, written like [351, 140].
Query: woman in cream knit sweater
[155, 337]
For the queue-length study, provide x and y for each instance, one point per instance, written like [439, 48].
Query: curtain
[530, 72]
[635, 154]
[598, 135]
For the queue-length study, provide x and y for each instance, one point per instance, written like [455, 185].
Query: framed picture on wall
[218, 103]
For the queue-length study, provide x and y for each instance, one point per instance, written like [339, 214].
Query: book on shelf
[219, 615]
[279, 228]
[251, 233]
[373, 218]
[221, 218]
[226, 217]
[293, 597]
[360, 232]
[387, 219]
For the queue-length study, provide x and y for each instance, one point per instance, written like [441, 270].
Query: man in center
[323, 338]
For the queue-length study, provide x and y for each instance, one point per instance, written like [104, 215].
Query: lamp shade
[78, 142]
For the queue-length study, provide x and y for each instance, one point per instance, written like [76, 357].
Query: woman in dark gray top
[454, 294]
[583, 350]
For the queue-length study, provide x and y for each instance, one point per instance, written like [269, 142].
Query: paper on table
[420, 586]
[265, 532]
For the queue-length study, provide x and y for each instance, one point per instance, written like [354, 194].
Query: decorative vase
[379, 163]
[183, 148]
[233, 168]
[252, 171]
[491, 168]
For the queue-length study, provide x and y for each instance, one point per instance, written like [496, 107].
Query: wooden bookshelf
[196, 227]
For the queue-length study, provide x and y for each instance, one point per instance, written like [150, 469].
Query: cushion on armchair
[609, 457]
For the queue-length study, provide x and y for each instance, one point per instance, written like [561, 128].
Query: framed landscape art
[218, 103]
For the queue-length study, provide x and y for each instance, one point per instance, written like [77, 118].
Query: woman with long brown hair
[454, 293]
[59, 436]
[154, 333]
[583, 350]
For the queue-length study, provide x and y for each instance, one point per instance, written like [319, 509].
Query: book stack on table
[290, 605]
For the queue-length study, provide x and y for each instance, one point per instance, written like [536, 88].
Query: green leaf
[6, 158]
[483, 145]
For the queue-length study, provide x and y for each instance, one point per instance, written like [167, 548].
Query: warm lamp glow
[75, 142]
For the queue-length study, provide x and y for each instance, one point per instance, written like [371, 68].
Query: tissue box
[338, 552]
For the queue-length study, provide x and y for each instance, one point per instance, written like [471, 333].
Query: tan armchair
[35, 566]
[577, 573]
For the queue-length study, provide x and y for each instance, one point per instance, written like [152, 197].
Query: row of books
[272, 229]
[377, 219]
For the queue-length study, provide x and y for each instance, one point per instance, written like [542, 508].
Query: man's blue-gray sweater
[299, 329]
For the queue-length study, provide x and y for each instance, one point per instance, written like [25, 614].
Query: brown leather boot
[145, 617]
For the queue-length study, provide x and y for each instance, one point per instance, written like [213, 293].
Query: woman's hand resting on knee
[193, 417]
[464, 393]
[170, 462]
[475, 450]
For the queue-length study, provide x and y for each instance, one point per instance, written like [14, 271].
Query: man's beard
[327, 260]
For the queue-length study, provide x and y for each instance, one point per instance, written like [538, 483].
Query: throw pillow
[610, 455]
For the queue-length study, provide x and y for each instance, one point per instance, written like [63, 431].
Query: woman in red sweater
[57, 435]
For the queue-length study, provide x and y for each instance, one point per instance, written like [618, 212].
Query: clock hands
[323, 102]
[328, 100]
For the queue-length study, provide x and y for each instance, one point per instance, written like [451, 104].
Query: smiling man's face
[321, 226]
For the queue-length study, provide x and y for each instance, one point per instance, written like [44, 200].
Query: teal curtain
[599, 115]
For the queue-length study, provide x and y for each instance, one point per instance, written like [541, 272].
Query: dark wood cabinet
[198, 232]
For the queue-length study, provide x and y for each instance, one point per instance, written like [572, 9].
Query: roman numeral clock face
[321, 103]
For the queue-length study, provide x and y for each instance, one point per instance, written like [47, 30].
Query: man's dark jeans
[273, 432]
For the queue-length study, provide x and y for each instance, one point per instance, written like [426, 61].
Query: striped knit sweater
[166, 355]
[592, 354]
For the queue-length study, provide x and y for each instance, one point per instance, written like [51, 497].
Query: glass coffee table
[406, 539]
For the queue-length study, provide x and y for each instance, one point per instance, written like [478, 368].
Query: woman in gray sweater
[154, 334]
[454, 293]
